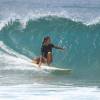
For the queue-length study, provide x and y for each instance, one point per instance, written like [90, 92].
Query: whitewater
[73, 25]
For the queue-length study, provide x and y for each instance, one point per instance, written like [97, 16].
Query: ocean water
[72, 24]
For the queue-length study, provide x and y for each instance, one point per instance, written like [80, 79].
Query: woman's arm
[57, 47]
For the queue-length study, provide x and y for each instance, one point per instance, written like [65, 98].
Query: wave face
[81, 42]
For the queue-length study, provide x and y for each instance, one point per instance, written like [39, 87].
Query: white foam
[14, 60]
[94, 21]
[41, 13]
[46, 92]
[12, 52]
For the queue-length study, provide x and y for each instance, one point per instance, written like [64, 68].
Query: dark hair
[45, 39]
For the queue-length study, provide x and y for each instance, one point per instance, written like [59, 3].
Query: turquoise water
[73, 25]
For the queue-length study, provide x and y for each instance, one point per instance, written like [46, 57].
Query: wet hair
[45, 39]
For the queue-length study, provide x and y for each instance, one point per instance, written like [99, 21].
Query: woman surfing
[46, 52]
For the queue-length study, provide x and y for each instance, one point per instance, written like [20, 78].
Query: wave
[81, 42]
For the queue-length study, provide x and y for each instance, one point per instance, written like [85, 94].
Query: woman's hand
[62, 49]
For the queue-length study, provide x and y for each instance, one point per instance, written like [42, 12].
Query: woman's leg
[42, 60]
[36, 60]
[49, 58]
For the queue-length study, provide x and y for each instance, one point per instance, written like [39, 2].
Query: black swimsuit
[45, 49]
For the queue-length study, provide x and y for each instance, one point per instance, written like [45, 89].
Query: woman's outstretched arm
[57, 47]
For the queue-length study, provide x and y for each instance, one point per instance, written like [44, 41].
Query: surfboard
[52, 69]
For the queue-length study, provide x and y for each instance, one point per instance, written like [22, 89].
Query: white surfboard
[52, 69]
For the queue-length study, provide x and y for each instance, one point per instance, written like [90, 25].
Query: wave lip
[34, 15]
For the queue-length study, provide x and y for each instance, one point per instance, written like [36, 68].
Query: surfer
[46, 51]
